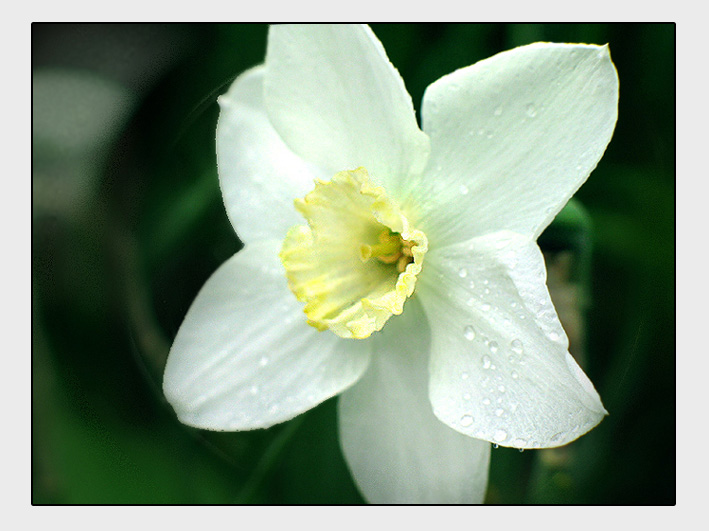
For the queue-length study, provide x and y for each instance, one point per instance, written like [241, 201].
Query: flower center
[356, 262]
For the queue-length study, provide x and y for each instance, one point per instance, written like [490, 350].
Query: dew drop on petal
[501, 388]
[531, 110]
[485, 306]
[486, 362]
[515, 375]
[464, 376]
[500, 435]
[557, 437]
[463, 189]
[516, 346]
[493, 347]
[466, 420]
[469, 333]
[553, 336]
[499, 412]
[263, 361]
[462, 272]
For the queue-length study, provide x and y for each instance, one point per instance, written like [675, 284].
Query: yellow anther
[388, 250]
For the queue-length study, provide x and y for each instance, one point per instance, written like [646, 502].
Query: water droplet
[471, 284]
[470, 301]
[516, 346]
[531, 110]
[467, 396]
[496, 446]
[254, 389]
[520, 443]
[485, 306]
[499, 412]
[493, 347]
[501, 388]
[486, 401]
[464, 376]
[498, 111]
[500, 435]
[263, 361]
[462, 272]
[466, 420]
[553, 336]
[469, 333]
[463, 189]
[486, 362]
[515, 375]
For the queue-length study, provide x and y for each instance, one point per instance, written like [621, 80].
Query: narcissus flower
[396, 266]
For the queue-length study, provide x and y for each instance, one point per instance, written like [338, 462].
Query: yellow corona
[356, 262]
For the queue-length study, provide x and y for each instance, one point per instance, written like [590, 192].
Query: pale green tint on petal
[338, 102]
[244, 357]
[259, 176]
[500, 367]
[397, 450]
[513, 137]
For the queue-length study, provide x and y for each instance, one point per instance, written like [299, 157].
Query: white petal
[338, 102]
[513, 137]
[244, 356]
[259, 176]
[500, 367]
[397, 450]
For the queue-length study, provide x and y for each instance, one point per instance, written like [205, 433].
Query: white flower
[421, 244]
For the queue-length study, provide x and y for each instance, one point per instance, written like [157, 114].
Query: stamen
[387, 250]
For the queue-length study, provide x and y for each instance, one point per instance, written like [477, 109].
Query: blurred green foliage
[128, 224]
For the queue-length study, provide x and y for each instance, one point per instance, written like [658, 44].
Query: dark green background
[126, 230]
